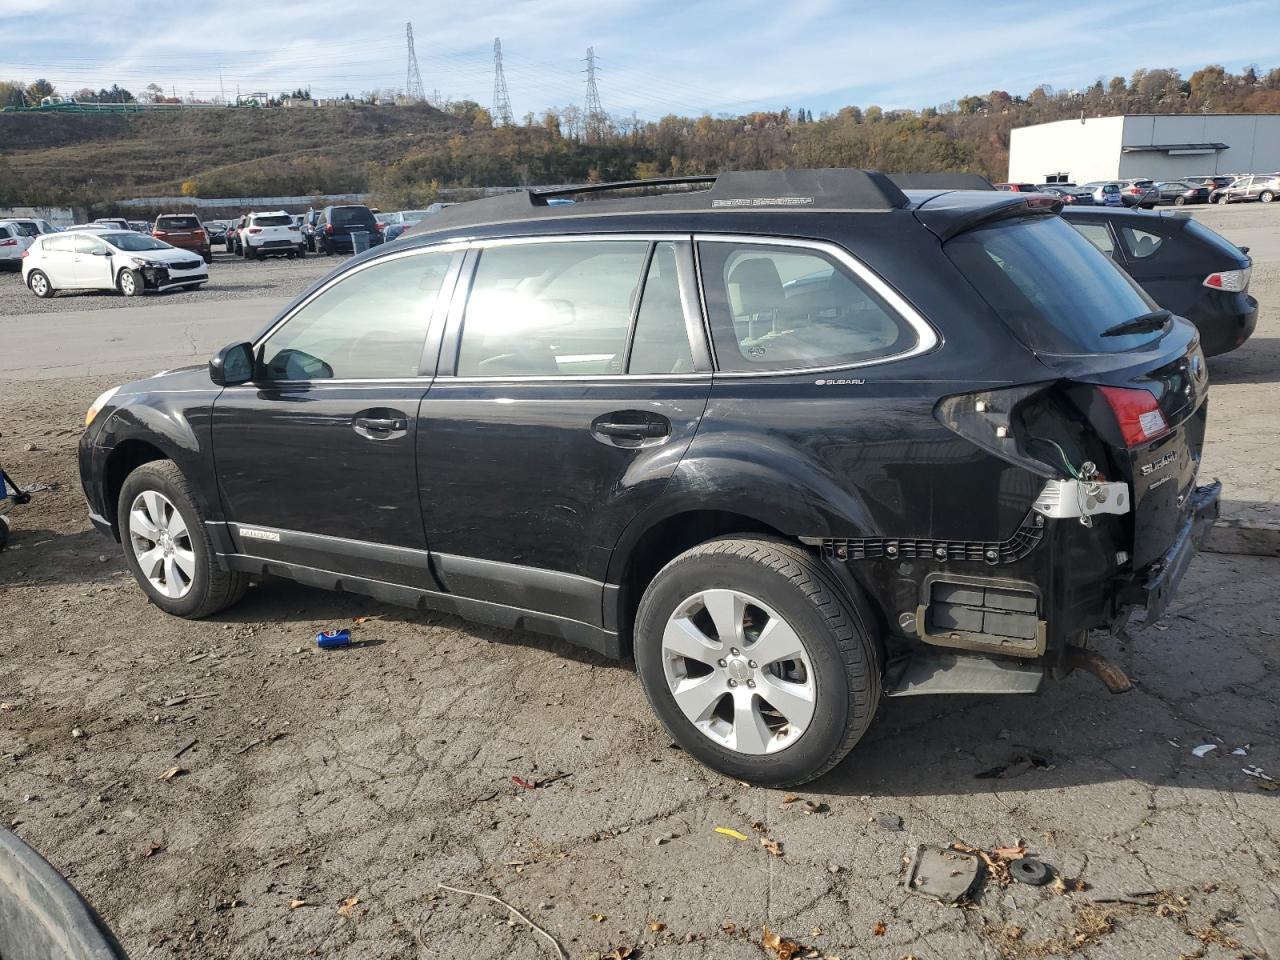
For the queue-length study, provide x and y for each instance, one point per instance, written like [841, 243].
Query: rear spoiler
[949, 214]
[941, 181]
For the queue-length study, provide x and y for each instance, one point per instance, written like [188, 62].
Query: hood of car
[160, 256]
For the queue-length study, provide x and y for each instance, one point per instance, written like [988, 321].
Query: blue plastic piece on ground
[331, 639]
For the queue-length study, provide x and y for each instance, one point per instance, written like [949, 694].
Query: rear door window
[1140, 244]
[1052, 287]
[787, 307]
[1099, 234]
[552, 309]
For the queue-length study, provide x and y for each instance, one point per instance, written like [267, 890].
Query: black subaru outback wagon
[793, 440]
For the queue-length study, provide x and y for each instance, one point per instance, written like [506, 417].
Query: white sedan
[109, 260]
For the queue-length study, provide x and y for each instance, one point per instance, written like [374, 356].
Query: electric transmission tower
[501, 99]
[413, 78]
[596, 119]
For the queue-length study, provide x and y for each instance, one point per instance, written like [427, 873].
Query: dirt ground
[379, 771]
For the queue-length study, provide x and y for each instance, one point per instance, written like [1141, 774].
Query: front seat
[755, 291]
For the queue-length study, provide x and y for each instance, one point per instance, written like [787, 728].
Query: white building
[1163, 147]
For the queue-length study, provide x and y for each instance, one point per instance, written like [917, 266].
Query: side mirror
[232, 365]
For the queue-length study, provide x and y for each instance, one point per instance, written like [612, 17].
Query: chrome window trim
[927, 336]
[452, 246]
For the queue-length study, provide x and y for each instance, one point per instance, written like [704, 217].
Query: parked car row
[1146, 194]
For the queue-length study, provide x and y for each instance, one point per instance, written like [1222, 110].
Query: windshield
[1053, 287]
[275, 220]
[135, 242]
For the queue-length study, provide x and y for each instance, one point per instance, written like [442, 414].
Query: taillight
[8, 243]
[1233, 281]
[159, 233]
[255, 229]
[1137, 413]
[295, 227]
[380, 227]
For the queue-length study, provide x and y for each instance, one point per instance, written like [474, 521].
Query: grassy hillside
[90, 159]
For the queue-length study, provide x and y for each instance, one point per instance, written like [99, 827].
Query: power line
[413, 77]
[501, 99]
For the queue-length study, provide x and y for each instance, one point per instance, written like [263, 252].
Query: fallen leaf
[620, 953]
[789, 798]
[347, 907]
[153, 849]
[522, 782]
[364, 619]
[730, 929]
[172, 772]
[757, 826]
[656, 926]
[295, 904]
[779, 946]
[879, 929]
[1010, 853]
[597, 918]
[726, 831]
[773, 846]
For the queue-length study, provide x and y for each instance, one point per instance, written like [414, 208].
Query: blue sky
[655, 56]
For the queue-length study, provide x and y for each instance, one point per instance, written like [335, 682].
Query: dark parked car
[1181, 192]
[335, 226]
[217, 230]
[1183, 265]
[309, 222]
[1212, 182]
[233, 235]
[1017, 187]
[749, 434]
[1072, 194]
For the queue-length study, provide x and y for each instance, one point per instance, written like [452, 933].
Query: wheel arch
[125, 457]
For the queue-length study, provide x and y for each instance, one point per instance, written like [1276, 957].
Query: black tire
[837, 629]
[302, 251]
[42, 290]
[130, 283]
[212, 587]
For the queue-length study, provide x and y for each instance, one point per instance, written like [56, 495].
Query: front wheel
[1223, 200]
[757, 660]
[130, 283]
[1179, 201]
[167, 546]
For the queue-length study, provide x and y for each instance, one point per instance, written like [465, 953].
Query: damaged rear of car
[1110, 439]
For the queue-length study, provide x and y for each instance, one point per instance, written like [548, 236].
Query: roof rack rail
[941, 181]
[622, 185]
[759, 191]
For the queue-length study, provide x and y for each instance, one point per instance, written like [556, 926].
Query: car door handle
[631, 428]
[380, 428]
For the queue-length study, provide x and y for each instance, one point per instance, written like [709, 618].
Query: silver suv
[1263, 187]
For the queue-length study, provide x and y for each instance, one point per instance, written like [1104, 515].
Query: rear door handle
[631, 428]
[380, 427]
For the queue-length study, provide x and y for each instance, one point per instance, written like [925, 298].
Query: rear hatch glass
[1059, 294]
[1051, 286]
[279, 220]
[177, 223]
[352, 217]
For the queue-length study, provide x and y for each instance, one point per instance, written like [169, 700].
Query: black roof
[754, 191]
[941, 181]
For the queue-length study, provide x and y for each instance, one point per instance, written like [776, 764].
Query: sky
[655, 57]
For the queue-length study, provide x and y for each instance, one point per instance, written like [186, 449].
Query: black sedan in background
[1183, 265]
[1180, 192]
[1069, 193]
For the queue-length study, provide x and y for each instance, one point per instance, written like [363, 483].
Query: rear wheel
[1266, 196]
[757, 660]
[1179, 201]
[167, 546]
[1223, 199]
[130, 283]
[40, 285]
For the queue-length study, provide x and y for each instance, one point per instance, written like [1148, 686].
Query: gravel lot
[379, 771]
[230, 278]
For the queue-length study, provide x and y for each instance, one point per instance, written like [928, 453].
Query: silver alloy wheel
[161, 544]
[39, 284]
[128, 283]
[738, 672]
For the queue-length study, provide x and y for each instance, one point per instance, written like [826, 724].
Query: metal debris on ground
[552, 941]
[945, 875]
[1204, 749]
[333, 639]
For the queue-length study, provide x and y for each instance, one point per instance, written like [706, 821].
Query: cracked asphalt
[379, 771]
